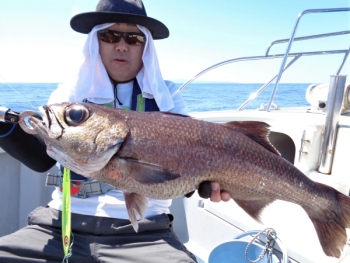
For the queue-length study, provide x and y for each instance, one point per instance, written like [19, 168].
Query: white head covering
[92, 80]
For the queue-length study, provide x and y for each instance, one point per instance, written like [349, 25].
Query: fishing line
[21, 95]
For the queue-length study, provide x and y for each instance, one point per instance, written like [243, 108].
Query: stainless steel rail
[267, 84]
[280, 41]
[333, 111]
[284, 60]
[343, 62]
[284, 56]
[223, 63]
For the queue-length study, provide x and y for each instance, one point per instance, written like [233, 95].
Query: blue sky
[38, 45]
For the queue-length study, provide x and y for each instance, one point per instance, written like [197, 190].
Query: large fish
[161, 155]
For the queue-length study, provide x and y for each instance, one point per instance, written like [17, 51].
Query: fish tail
[331, 229]
[344, 203]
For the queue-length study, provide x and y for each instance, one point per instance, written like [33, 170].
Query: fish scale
[161, 155]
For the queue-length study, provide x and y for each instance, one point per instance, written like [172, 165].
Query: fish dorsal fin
[255, 130]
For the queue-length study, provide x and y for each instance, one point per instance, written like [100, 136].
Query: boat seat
[234, 250]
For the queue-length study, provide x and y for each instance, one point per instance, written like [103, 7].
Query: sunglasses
[112, 36]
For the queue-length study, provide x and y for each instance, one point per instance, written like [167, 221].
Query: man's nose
[121, 45]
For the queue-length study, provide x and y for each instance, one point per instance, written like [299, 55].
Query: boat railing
[281, 41]
[284, 56]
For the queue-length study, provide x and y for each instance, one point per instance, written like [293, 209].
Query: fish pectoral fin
[254, 207]
[147, 173]
[136, 206]
[256, 130]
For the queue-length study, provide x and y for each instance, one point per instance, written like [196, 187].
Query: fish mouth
[45, 112]
[49, 126]
[39, 125]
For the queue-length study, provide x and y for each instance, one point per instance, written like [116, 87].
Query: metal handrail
[240, 59]
[266, 85]
[280, 41]
[285, 55]
[343, 62]
[309, 11]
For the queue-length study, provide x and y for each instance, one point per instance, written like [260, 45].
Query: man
[119, 69]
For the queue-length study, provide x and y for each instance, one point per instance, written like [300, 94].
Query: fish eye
[76, 114]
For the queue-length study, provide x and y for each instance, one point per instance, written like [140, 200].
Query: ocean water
[198, 96]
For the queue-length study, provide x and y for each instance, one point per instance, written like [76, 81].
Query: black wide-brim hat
[119, 11]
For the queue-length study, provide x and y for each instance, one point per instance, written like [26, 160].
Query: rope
[270, 243]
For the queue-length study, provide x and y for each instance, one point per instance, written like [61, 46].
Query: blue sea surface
[230, 96]
[198, 96]
[25, 96]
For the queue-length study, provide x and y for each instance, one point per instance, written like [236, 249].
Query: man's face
[122, 61]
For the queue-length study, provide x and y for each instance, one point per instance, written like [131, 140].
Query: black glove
[5, 128]
[25, 147]
[204, 190]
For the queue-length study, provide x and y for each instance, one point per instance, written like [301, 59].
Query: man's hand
[211, 189]
[216, 195]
